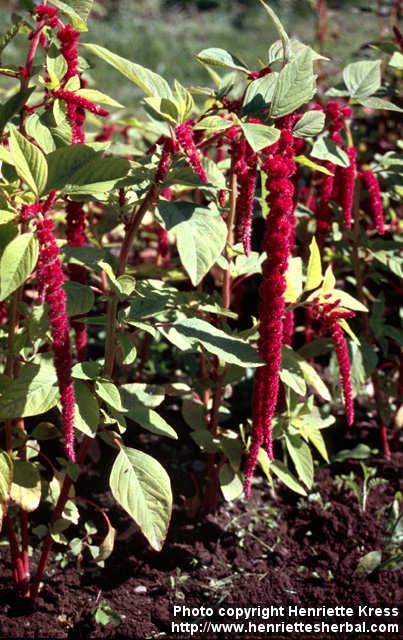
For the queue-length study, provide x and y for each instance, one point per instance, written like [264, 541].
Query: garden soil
[277, 549]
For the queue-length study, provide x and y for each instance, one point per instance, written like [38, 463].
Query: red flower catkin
[165, 160]
[75, 235]
[279, 167]
[245, 167]
[72, 98]
[184, 135]
[332, 326]
[372, 184]
[50, 279]
[329, 315]
[68, 38]
[346, 187]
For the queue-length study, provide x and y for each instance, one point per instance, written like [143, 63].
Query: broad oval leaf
[311, 123]
[151, 83]
[225, 346]
[201, 234]
[80, 298]
[362, 78]
[86, 414]
[142, 487]
[17, 263]
[220, 58]
[314, 272]
[6, 476]
[26, 486]
[301, 456]
[295, 85]
[32, 393]
[326, 149]
[260, 136]
[230, 483]
[29, 162]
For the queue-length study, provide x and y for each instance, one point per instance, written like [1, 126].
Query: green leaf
[184, 101]
[291, 373]
[379, 103]
[278, 26]
[37, 130]
[313, 378]
[97, 176]
[33, 392]
[98, 97]
[26, 486]
[163, 107]
[128, 348]
[87, 370]
[80, 298]
[326, 149]
[259, 94]
[17, 263]
[151, 83]
[362, 78]
[346, 301]
[311, 123]
[230, 483]
[149, 420]
[105, 614]
[294, 280]
[307, 162]
[281, 471]
[301, 456]
[86, 416]
[295, 85]
[329, 281]
[150, 395]
[213, 123]
[220, 58]
[368, 563]
[65, 162]
[6, 476]
[259, 136]
[107, 545]
[29, 161]
[396, 60]
[314, 274]
[13, 105]
[201, 234]
[142, 487]
[108, 392]
[56, 66]
[76, 10]
[359, 452]
[225, 346]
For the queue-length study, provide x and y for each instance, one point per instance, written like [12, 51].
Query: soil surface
[278, 549]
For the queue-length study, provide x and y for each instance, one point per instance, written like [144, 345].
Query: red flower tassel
[372, 184]
[346, 186]
[69, 49]
[184, 135]
[279, 168]
[75, 235]
[330, 323]
[245, 167]
[50, 279]
[72, 98]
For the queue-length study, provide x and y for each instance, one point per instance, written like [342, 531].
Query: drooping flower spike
[50, 277]
[184, 135]
[279, 168]
[371, 182]
[75, 236]
[329, 315]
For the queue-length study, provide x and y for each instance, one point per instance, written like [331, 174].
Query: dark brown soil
[278, 549]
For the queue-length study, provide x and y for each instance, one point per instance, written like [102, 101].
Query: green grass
[167, 40]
